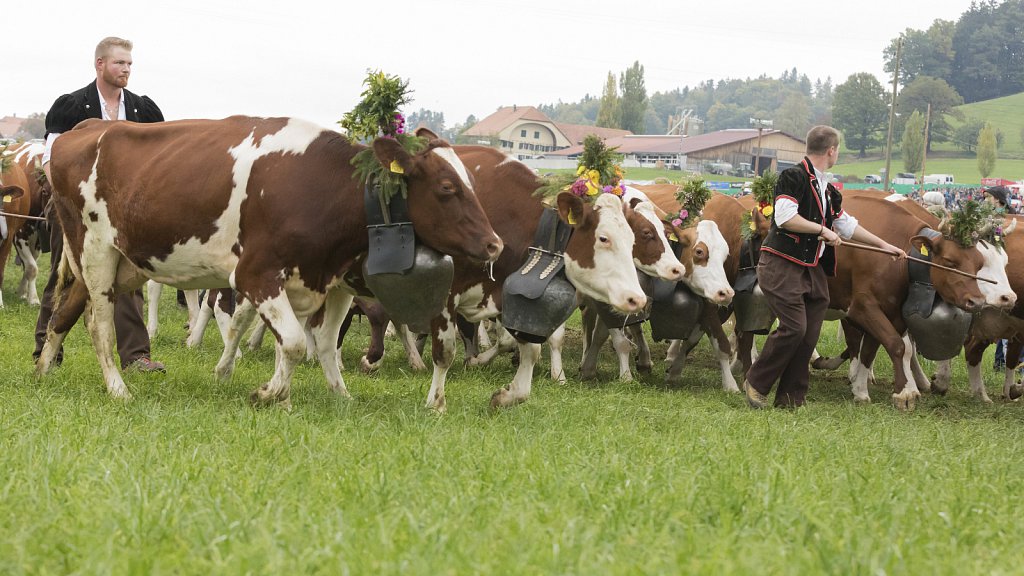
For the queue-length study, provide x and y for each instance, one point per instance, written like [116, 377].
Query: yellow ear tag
[572, 218]
[924, 250]
[396, 167]
[673, 237]
[7, 199]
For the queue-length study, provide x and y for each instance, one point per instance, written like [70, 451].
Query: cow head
[599, 256]
[704, 251]
[652, 254]
[442, 204]
[982, 259]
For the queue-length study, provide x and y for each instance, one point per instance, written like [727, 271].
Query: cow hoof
[1016, 391]
[644, 369]
[626, 377]
[503, 398]
[262, 396]
[939, 385]
[862, 400]
[905, 401]
[366, 367]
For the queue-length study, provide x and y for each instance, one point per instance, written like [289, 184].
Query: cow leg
[506, 343]
[153, 290]
[924, 384]
[746, 351]
[202, 318]
[519, 390]
[223, 310]
[73, 302]
[256, 338]
[555, 343]
[483, 339]
[942, 377]
[595, 333]
[673, 376]
[467, 333]
[240, 320]
[442, 351]
[325, 336]
[1013, 390]
[412, 353]
[712, 325]
[973, 352]
[98, 270]
[622, 347]
[27, 288]
[379, 321]
[290, 348]
[192, 304]
[644, 363]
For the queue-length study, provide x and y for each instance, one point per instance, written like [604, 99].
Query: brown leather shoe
[755, 399]
[145, 364]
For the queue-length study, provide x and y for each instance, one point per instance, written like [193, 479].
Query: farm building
[526, 132]
[712, 152]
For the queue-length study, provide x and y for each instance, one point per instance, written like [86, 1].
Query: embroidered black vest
[801, 186]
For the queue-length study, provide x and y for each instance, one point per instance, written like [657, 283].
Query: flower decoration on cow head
[691, 195]
[976, 222]
[597, 172]
[377, 116]
[763, 190]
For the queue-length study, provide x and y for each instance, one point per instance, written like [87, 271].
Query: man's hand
[829, 237]
[897, 253]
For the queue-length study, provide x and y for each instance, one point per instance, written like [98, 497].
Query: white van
[938, 179]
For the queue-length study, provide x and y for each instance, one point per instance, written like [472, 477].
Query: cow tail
[65, 278]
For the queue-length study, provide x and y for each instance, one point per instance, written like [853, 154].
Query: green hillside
[1006, 114]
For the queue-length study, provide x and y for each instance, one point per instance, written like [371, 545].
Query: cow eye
[699, 252]
[448, 188]
[604, 240]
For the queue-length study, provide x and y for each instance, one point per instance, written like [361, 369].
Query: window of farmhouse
[522, 133]
[536, 134]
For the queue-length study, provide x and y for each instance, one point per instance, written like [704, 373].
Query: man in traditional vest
[108, 99]
[808, 222]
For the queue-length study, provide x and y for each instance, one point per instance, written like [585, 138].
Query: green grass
[964, 170]
[609, 478]
[1005, 115]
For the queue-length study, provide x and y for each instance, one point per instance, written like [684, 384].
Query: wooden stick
[909, 257]
[24, 216]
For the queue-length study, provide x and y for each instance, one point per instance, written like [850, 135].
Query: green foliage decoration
[975, 222]
[377, 116]
[692, 195]
[763, 187]
[597, 171]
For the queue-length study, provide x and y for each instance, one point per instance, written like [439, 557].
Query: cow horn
[1009, 228]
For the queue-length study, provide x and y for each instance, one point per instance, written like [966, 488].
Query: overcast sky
[305, 58]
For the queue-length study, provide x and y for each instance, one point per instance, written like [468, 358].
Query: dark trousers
[798, 295]
[130, 329]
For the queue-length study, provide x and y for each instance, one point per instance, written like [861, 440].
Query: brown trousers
[798, 295]
[130, 329]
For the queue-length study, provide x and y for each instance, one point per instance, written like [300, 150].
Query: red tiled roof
[9, 125]
[643, 144]
[575, 133]
[504, 117]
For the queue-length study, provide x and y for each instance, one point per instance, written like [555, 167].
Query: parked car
[873, 179]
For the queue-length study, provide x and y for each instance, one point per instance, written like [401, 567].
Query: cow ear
[424, 132]
[570, 208]
[11, 192]
[391, 154]
[633, 202]
[924, 245]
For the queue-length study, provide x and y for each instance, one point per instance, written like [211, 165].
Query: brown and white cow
[267, 206]
[28, 156]
[869, 288]
[704, 253]
[16, 201]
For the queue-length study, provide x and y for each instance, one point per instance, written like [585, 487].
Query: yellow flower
[753, 226]
[768, 211]
[581, 170]
[592, 189]
[594, 176]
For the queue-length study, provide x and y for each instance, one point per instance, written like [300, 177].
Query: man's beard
[119, 81]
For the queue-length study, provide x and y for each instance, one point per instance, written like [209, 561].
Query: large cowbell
[749, 306]
[676, 310]
[939, 329]
[411, 281]
[538, 298]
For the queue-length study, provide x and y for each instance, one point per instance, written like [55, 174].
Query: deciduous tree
[609, 113]
[859, 110]
[634, 99]
[912, 144]
[987, 151]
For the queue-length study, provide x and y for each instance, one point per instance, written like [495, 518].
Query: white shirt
[103, 108]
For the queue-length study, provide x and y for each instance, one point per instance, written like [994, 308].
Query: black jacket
[800, 185]
[70, 109]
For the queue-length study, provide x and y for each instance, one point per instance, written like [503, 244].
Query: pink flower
[677, 222]
[684, 214]
[579, 187]
[607, 189]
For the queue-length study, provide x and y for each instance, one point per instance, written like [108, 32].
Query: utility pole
[761, 125]
[892, 114]
[924, 153]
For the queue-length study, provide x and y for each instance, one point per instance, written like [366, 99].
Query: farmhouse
[526, 132]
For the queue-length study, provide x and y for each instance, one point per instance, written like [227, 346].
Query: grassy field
[585, 478]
